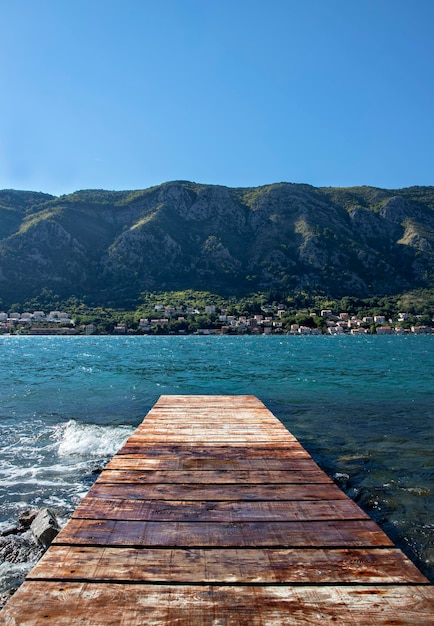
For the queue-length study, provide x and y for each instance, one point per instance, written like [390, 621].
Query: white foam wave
[90, 440]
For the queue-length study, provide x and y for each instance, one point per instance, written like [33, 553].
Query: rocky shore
[22, 545]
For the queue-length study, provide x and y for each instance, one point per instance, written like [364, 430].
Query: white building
[379, 319]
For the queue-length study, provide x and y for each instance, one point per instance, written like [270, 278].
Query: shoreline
[216, 333]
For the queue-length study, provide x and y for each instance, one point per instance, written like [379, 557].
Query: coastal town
[211, 320]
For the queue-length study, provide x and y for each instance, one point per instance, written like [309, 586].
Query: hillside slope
[110, 246]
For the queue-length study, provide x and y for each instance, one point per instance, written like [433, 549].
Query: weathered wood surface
[148, 534]
[182, 491]
[226, 565]
[212, 513]
[108, 604]
[214, 477]
[182, 460]
[215, 511]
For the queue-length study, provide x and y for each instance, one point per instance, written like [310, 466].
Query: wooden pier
[212, 513]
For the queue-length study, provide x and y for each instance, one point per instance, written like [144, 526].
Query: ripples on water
[363, 407]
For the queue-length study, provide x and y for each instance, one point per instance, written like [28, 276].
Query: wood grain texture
[214, 477]
[343, 533]
[138, 459]
[223, 565]
[108, 604]
[212, 513]
[219, 492]
[232, 511]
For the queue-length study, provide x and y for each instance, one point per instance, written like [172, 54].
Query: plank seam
[208, 583]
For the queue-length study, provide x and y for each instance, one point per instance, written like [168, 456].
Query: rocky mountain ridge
[109, 246]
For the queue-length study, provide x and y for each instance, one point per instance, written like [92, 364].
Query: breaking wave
[89, 440]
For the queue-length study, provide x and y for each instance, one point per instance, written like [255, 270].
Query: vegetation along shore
[192, 312]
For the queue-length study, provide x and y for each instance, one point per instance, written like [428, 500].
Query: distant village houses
[181, 320]
[37, 323]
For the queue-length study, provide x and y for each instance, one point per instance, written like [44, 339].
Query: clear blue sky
[126, 94]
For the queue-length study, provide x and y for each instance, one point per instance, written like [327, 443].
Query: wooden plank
[211, 438]
[172, 510]
[212, 449]
[247, 566]
[219, 492]
[214, 477]
[209, 434]
[201, 401]
[238, 419]
[256, 418]
[214, 452]
[202, 461]
[254, 415]
[250, 418]
[343, 533]
[178, 462]
[207, 422]
[111, 604]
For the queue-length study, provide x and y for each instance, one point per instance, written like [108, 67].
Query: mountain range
[108, 247]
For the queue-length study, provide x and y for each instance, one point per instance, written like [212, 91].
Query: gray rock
[18, 553]
[45, 527]
[26, 518]
[18, 549]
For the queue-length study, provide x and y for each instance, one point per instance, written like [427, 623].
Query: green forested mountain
[107, 247]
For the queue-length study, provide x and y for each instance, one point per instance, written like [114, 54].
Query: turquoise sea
[362, 406]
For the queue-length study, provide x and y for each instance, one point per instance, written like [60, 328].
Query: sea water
[362, 406]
